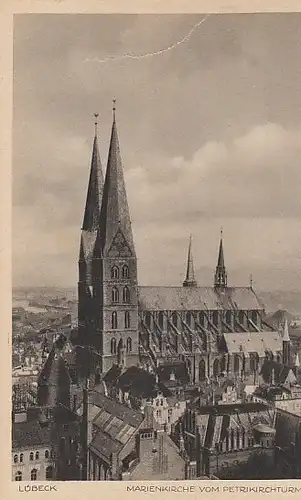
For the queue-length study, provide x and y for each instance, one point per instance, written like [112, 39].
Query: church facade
[216, 330]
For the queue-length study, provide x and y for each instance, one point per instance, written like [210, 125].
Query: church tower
[87, 243]
[190, 278]
[115, 270]
[220, 279]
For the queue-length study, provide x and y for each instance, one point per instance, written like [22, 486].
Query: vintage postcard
[155, 339]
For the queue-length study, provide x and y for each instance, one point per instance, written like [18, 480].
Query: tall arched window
[147, 318]
[253, 362]
[201, 318]
[189, 318]
[31, 456]
[115, 295]
[228, 317]
[33, 475]
[174, 319]
[49, 472]
[125, 272]
[46, 453]
[216, 367]
[254, 317]
[18, 476]
[113, 346]
[114, 320]
[21, 457]
[215, 318]
[15, 459]
[126, 295]
[129, 344]
[236, 363]
[37, 455]
[241, 317]
[202, 370]
[127, 321]
[114, 273]
[161, 319]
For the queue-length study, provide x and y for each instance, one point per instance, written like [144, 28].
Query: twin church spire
[220, 278]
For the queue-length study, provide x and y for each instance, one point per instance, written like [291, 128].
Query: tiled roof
[30, 434]
[197, 298]
[103, 446]
[127, 415]
[258, 342]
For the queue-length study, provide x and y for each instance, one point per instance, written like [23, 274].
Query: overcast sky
[210, 136]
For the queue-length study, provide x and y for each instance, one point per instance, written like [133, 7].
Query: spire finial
[222, 232]
[114, 108]
[251, 281]
[96, 115]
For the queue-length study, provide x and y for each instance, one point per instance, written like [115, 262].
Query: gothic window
[46, 453]
[202, 370]
[127, 321]
[254, 317]
[114, 273]
[236, 363]
[148, 319]
[31, 456]
[21, 457]
[49, 472]
[126, 295]
[33, 475]
[202, 318]
[129, 345]
[253, 362]
[174, 319]
[37, 455]
[115, 295]
[15, 459]
[228, 317]
[189, 318]
[18, 476]
[216, 368]
[125, 272]
[241, 317]
[223, 364]
[161, 319]
[113, 346]
[114, 320]
[215, 318]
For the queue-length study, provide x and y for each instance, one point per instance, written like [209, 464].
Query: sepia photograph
[156, 247]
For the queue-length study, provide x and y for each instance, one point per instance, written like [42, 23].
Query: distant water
[25, 304]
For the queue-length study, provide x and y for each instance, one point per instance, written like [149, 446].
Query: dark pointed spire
[190, 278]
[95, 188]
[220, 279]
[114, 213]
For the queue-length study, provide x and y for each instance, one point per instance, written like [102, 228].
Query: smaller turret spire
[286, 337]
[297, 361]
[190, 278]
[286, 345]
[220, 279]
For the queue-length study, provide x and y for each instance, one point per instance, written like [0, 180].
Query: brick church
[213, 331]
